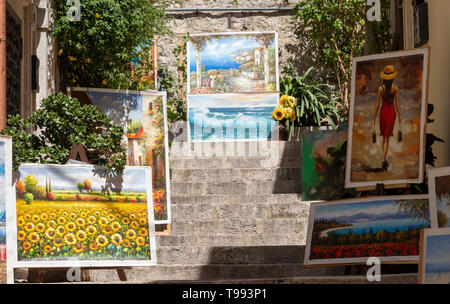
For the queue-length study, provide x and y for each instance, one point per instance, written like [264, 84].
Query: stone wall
[292, 47]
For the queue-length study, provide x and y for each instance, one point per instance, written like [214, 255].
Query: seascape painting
[435, 259]
[350, 231]
[387, 119]
[439, 188]
[244, 62]
[226, 117]
[77, 212]
[143, 115]
[323, 170]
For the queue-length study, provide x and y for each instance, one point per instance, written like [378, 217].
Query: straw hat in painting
[388, 72]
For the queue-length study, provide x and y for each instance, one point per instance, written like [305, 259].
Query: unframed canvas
[77, 216]
[350, 231]
[380, 148]
[6, 198]
[434, 267]
[143, 115]
[439, 189]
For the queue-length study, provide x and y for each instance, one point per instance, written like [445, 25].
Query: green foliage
[31, 183]
[28, 198]
[314, 107]
[442, 218]
[61, 122]
[109, 36]
[40, 192]
[80, 186]
[337, 28]
[381, 30]
[134, 127]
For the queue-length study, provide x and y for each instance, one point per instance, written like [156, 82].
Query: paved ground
[2, 273]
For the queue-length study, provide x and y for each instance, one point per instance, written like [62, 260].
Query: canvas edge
[432, 174]
[425, 233]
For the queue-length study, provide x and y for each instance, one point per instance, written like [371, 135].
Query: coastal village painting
[144, 119]
[232, 63]
[66, 212]
[350, 231]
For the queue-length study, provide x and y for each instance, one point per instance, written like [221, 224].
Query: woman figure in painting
[388, 98]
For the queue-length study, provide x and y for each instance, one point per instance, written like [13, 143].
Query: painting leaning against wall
[143, 115]
[434, 267]
[69, 214]
[5, 198]
[439, 188]
[243, 62]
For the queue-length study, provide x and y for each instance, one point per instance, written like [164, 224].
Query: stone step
[228, 255]
[236, 199]
[235, 162]
[236, 188]
[296, 226]
[235, 175]
[211, 272]
[262, 210]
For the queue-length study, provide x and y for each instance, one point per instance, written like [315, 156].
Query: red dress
[387, 113]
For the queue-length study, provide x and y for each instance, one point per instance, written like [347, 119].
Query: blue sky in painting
[110, 101]
[437, 253]
[134, 179]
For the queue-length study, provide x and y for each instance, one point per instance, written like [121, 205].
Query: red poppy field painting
[350, 231]
[387, 119]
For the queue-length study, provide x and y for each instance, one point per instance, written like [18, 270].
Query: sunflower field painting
[77, 212]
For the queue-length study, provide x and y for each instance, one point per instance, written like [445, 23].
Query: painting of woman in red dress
[388, 98]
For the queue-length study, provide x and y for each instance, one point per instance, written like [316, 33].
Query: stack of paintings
[232, 85]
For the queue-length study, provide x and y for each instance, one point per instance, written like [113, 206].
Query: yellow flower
[292, 101]
[80, 222]
[131, 234]
[107, 230]
[36, 218]
[50, 233]
[278, 113]
[71, 58]
[284, 101]
[48, 248]
[105, 82]
[40, 227]
[52, 216]
[44, 216]
[78, 248]
[51, 224]
[81, 235]
[142, 221]
[60, 230]
[111, 217]
[101, 241]
[140, 241]
[97, 15]
[88, 60]
[58, 242]
[289, 113]
[134, 225]
[70, 226]
[73, 215]
[26, 246]
[61, 221]
[20, 221]
[70, 239]
[115, 226]
[143, 231]
[97, 213]
[132, 217]
[103, 221]
[93, 246]
[91, 230]
[125, 221]
[83, 214]
[91, 220]
[34, 237]
[60, 52]
[116, 239]
[21, 235]
[29, 227]
[27, 217]
[126, 243]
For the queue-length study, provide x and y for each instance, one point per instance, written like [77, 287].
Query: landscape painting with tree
[79, 212]
[434, 267]
[233, 63]
[350, 231]
[439, 188]
[387, 119]
[144, 119]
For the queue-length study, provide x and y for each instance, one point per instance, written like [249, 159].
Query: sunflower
[103, 221]
[125, 221]
[140, 241]
[21, 235]
[126, 243]
[60, 230]
[70, 226]
[70, 239]
[40, 227]
[27, 217]
[117, 216]
[78, 248]
[50, 233]
[65, 214]
[20, 221]
[52, 215]
[93, 246]
[292, 101]
[80, 222]
[58, 242]
[131, 234]
[107, 230]
[91, 230]
[51, 224]
[278, 113]
[29, 227]
[61, 220]
[132, 217]
[34, 237]
[104, 213]
[116, 239]
[284, 101]
[91, 220]
[48, 248]
[73, 215]
[289, 113]
[134, 225]
[142, 221]
[101, 241]
[44, 217]
[26, 246]
[115, 226]
[35, 218]
[111, 217]
[83, 214]
[81, 235]
[143, 231]
[97, 213]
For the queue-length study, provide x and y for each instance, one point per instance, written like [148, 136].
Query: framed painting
[240, 62]
[323, 163]
[143, 115]
[224, 117]
[439, 189]
[78, 216]
[350, 231]
[386, 136]
[434, 266]
[5, 199]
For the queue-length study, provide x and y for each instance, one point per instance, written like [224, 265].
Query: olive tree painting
[386, 137]
[439, 189]
[79, 215]
[245, 62]
[143, 115]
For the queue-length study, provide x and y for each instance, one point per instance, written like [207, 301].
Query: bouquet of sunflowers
[285, 112]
